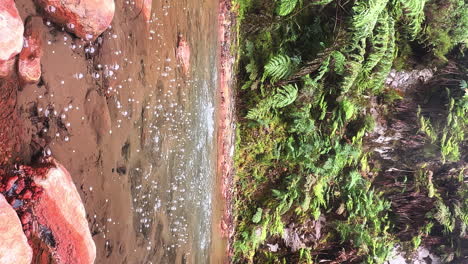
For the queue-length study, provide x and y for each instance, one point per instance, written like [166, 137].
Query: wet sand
[225, 137]
[135, 132]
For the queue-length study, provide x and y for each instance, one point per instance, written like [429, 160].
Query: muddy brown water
[135, 132]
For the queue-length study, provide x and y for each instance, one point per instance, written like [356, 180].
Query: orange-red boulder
[14, 247]
[60, 214]
[29, 63]
[87, 19]
[145, 7]
[11, 35]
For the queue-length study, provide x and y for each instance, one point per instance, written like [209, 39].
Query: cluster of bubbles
[178, 185]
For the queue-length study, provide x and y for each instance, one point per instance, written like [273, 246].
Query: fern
[279, 67]
[251, 68]
[425, 126]
[305, 256]
[413, 14]
[449, 148]
[378, 43]
[286, 198]
[339, 63]
[444, 216]
[345, 112]
[354, 66]
[283, 97]
[367, 222]
[462, 214]
[257, 216]
[377, 79]
[365, 16]
[349, 109]
[324, 67]
[453, 133]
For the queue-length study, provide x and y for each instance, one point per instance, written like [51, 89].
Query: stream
[137, 134]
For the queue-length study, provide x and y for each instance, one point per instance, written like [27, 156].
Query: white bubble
[51, 9]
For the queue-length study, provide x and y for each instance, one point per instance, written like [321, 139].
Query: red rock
[146, 6]
[183, 54]
[29, 64]
[14, 247]
[11, 35]
[11, 181]
[87, 19]
[27, 195]
[25, 218]
[61, 210]
[20, 186]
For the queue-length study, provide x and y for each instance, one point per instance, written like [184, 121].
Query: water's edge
[222, 230]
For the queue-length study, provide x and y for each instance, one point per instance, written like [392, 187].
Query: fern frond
[257, 216]
[366, 14]
[449, 148]
[324, 68]
[348, 109]
[340, 62]
[353, 66]
[378, 43]
[444, 216]
[383, 68]
[302, 122]
[413, 14]
[251, 68]
[284, 96]
[425, 126]
[462, 214]
[259, 113]
[279, 67]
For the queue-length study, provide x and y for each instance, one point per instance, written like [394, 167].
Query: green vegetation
[449, 189]
[447, 26]
[307, 73]
[452, 134]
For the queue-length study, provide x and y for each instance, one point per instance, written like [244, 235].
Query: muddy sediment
[225, 135]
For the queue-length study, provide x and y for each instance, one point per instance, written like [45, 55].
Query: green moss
[404, 56]
[446, 26]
